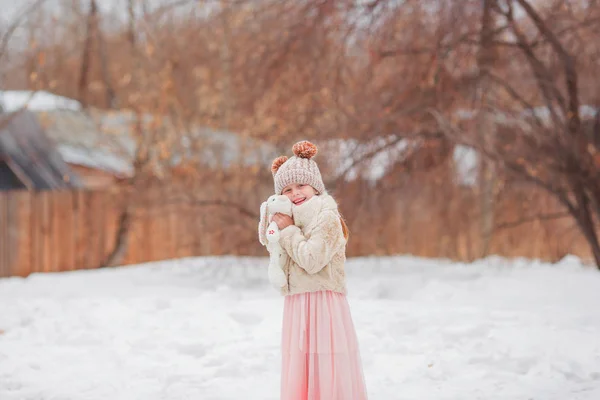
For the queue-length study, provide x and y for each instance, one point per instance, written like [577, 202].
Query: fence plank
[154, 240]
[55, 229]
[102, 225]
[93, 215]
[73, 233]
[133, 240]
[172, 231]
[146, 239]
[47, 231]
[5, 268]
[115, 205]
[90, 238]
[67, 235]
[35, 229]
[81, 229]
[183, 239]
[31, 231]
[61, 226]
[12, 232]
[21, 265]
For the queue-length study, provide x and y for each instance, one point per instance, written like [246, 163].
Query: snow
[373, 159]
[98, 158]
[466, 159]
[586, 111]
[13, 100]
[370, 160]
[209, 328]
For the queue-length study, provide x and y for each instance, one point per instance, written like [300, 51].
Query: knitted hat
[298, 169]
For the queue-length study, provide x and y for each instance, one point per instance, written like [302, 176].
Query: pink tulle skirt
[320, 354]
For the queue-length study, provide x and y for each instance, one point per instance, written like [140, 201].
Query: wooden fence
[52, 231]
[443, 220]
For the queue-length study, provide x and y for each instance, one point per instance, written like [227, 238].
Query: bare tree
[363, 76]
[547, 144]
[485, 123]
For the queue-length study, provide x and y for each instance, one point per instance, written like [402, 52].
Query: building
[28, 158]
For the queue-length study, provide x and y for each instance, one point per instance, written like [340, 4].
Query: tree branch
[515, 95]
[532, 218]
[369, 155]
[461, 138]
[543, 76]
[568, 64]
[13, 27]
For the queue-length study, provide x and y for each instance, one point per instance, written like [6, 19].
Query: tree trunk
[131, 23]
[486, 128]
[225, 58]
[588, 230]
[585, 220]
[87, 51]
[109, 90]
[121, 245]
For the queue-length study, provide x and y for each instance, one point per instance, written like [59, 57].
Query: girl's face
[299, 193]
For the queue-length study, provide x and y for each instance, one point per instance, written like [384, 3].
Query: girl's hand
[282, 220]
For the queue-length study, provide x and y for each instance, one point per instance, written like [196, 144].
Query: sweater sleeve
[315, 253]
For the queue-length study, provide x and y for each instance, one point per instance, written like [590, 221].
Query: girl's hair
[344, 227]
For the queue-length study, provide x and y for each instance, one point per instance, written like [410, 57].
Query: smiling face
[299, 193]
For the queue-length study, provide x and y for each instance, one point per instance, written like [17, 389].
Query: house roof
[105, 140]
[81, 141]
[14, 100]
[31, 156]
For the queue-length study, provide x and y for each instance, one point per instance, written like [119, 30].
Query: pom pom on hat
[278, 162]
[305, 149]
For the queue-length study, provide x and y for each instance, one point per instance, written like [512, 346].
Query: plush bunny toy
[268, 233]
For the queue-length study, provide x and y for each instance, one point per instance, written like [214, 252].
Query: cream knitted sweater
[315, 248]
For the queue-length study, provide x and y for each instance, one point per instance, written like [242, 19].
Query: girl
[320, 354]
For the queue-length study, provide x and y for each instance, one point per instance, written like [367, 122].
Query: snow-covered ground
[209, 329]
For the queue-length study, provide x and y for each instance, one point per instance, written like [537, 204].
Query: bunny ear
[263, 224]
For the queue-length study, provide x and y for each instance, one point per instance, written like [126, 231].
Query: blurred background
[461, 139]
[144, 130]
